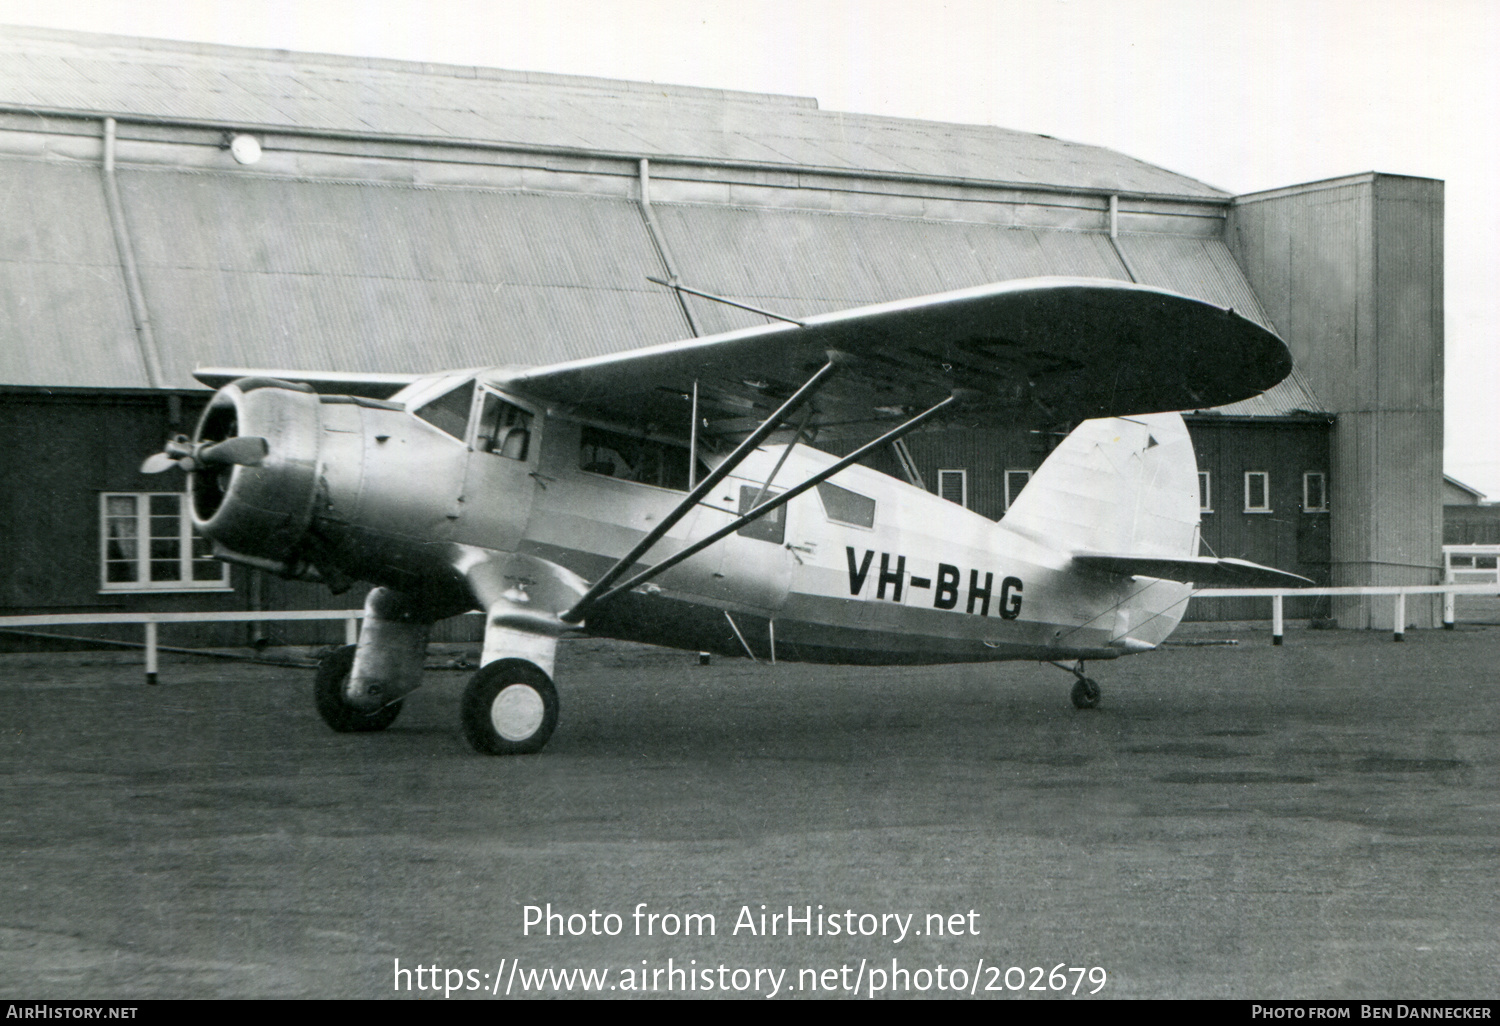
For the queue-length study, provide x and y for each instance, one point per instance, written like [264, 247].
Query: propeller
[183, 453]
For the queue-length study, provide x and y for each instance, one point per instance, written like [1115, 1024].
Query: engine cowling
[261, 510]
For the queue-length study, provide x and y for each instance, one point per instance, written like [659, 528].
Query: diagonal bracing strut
[770, 506]
[723, 470]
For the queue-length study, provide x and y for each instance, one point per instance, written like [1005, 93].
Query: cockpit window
[643, 460]
[504, 428]
[846, 507]
[449, 412]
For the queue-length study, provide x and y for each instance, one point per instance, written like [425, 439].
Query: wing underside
[1034, 352]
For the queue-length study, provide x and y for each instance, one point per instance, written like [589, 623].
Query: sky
[1242, 94]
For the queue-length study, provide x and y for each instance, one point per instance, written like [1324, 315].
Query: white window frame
[963, 485]
[184, 538]
[1205, 492]
[1009, 498]
[1265, 476]
[1308, 507]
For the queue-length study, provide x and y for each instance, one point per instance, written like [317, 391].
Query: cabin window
[504, 428]
[772, 526]
[953, 485]
[845, 507]
[1314, 493]
[449, 412]
[1015, 480]
[146, 543]
[1257, 491]
[642, 460]
[1205, 493]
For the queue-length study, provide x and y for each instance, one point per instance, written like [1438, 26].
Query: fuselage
[864, 568]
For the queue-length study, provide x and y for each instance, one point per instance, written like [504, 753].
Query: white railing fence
[1398, 592]
[1471, 564]
[149, 621]
[1461, 564]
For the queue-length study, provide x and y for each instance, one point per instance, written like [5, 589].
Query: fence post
[1400, 616]
[151, 652]
[351, 631]
[1448, 610]
[1276, 619]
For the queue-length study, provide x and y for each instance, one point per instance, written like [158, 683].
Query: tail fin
[1124, 485]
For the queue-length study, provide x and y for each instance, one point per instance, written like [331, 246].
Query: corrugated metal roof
[58, 256]
[246, 270]
[800, 262]
[1292, 396]
[61, 71]
[243, 271]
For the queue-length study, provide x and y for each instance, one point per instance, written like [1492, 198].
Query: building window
[953, 485]
[146, 543]
[1205, 493]
[1257, 491]
[1015, 480]
[1314, 493]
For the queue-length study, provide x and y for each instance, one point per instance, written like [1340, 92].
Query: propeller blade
[157, 463]
[247, 451]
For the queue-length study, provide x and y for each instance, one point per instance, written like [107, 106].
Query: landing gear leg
[1086, 691]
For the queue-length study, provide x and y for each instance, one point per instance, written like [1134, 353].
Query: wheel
[1085, 693]
[328, 696]
[510, 708]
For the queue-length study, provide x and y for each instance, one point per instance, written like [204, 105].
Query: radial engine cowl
[262, 510]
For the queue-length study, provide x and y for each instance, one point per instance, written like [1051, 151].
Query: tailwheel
[328, 696]
[509, 708]
[1085, 689]
[1085, 693]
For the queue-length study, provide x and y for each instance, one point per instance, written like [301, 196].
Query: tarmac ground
[1317, 820]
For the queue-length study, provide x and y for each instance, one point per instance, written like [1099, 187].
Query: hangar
[167, 205]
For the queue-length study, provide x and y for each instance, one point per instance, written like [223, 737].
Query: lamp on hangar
[244, 148]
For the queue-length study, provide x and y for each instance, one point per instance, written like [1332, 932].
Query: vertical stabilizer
[1127, 485]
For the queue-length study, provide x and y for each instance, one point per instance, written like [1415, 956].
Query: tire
[328, 696]
[509, 708]
[1086, 693]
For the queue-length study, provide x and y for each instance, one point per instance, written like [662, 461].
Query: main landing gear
[1086, 691]
[333, 705]
[509, 708]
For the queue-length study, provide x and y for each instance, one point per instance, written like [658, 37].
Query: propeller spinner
[185, 454]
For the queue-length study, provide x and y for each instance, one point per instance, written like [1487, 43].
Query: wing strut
[693, 497]
[760, 511]
[727, 302]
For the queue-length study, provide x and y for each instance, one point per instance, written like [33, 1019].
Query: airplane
[671, 494]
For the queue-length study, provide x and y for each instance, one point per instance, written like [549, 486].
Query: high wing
[1204, 571]
[1038, 352]
[371, 386]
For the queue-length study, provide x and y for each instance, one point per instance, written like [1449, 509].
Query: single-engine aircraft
[670, 494]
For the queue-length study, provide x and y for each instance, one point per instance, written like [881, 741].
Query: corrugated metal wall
[1352, 274]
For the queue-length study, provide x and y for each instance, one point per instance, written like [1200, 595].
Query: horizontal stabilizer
[1204, 571]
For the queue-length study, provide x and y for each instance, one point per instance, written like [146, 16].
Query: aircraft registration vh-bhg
[670, 494]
